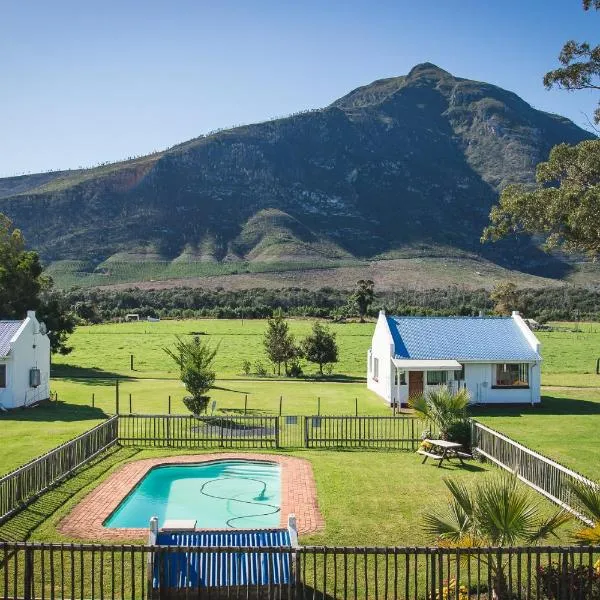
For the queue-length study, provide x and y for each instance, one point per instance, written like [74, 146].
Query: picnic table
[443, 450]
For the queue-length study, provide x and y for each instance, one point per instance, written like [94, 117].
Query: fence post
[277, 431]
[245, 403]
[28, 574]
[280, 403]
[93, 400]
[306, 432]
[131, 362]
[433, 576]
[356, 407]
[319, 406]
[117, 397]
[130, 404]
[169, 404]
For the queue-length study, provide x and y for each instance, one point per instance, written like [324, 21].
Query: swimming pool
[220, 494]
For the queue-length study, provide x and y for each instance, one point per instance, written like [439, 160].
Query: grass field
[564, 424]
[366, 497]
[569, 356]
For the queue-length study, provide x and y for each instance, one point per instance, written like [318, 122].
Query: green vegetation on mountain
[410, 163]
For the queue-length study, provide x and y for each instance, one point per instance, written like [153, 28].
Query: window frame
[522, 375]
[3, 376]
[441, 372]
[375, 368]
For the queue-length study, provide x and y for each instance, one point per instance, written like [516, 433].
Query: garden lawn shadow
[550, 405]
[54, 411]
[68, 371]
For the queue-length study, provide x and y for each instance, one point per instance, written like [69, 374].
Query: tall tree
[580, 62]
[363, 297]
[320, 346]
[563, 208]
[504, 295]
[279, 342]
[23, 287]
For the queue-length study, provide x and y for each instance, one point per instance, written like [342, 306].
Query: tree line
[566, 302]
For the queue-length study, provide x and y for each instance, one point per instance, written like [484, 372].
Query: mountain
[406, 166]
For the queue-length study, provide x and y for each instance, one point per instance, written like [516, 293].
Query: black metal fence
[544, 475]
[289, 431]
[358, 432]
[182, 431]
[24, 484]
[118, 572]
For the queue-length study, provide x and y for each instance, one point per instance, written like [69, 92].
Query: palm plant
[588, 495]
[441, 407]
[498, 511]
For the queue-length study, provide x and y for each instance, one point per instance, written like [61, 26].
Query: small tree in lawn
[279, 342]
[194, 359]
[320, 346]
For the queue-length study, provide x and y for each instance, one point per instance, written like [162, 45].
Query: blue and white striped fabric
[192, 569]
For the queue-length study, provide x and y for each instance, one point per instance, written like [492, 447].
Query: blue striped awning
[196, 568]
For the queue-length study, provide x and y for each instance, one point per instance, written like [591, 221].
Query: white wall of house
[29, 349]
[381, 352]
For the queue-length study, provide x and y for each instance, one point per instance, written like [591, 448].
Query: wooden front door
[415, 383]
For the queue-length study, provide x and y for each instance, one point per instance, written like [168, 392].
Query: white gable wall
[29, 349]
[382, 349]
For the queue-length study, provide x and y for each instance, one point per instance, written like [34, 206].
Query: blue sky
[87, 82]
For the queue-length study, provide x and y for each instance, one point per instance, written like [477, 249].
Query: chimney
[480, 314]
[516, 313]
[31, 314]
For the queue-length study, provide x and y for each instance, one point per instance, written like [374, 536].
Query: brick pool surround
[85, 521]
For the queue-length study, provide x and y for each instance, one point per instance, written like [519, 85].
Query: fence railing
[79, 572]
[544, 475]
[270, 431]
[372, 432]
[209, 431]
[24, 484]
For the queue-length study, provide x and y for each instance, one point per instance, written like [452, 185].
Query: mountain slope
[404, 163]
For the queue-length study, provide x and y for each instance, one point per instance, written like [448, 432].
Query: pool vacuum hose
[261, 495]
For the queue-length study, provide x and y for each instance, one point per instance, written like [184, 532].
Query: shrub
[246, 367]
[260, 369]
[460, 432]
[570, 581]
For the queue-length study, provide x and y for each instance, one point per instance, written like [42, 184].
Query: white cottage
[24, 362]
[496, 358]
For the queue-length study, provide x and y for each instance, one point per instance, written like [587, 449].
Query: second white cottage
[497, 359]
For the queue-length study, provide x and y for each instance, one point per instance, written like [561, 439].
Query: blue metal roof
[194, 569]
[7, 330]
[460, 338]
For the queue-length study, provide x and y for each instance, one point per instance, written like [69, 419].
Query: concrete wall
[29, 349]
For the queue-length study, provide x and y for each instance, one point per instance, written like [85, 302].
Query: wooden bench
[430, 455]
[464, 455]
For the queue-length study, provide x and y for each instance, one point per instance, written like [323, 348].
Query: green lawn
[565, 427]
[106, 349]
[366, 497]
[31, 432]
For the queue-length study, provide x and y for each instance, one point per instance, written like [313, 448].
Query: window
[437, 377]
[512, 375]
[395, 376]
[376, 369]
[402, 377]
[460, 375]
[2, 376]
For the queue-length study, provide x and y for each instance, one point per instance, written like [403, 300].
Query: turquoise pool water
[220, 494]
